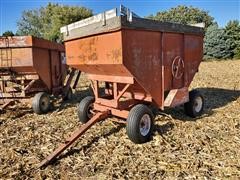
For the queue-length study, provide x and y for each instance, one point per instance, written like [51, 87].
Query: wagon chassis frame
[21, 87]
[17, 87]
[109, 104]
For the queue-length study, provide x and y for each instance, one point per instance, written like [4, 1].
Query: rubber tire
[133, 121]
[69, 95]
[83, 108]
[189, 106]
[37, 104]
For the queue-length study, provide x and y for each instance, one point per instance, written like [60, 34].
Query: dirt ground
[181, 147]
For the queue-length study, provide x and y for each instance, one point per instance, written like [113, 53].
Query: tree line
[219, 42]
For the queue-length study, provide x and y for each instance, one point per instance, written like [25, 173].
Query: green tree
[232, 30]
[47, 21]
[216, 44]
[184, 15]
[8, 33]
[30, 23]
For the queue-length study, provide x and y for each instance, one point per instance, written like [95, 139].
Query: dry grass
[207, 147]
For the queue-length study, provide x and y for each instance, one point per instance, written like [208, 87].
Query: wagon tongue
[76, 134]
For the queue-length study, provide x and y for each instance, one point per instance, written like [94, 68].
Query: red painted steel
[27, 54]
[155, 62]
[142, 57]
[148, 63]
[29, 65]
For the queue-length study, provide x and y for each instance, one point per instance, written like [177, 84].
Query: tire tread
[188, 107]
[36, 105]
[83, 107]
[132, 128]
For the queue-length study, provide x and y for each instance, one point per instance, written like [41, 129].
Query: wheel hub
[198, 104]
[145, 124]
[44, 103]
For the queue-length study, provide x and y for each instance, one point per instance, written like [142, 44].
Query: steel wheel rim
[198, 104]
[44, 103]
[145, 125]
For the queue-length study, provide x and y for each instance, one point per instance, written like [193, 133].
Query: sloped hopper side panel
[99, 54]
[128, 53]
[19, 59]
[42, 65]
[16, 53]
[193, 46]
[142, 57]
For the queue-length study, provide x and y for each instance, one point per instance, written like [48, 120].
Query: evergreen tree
[216, 43]
[232, 30]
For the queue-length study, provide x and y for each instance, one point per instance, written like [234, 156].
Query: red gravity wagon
[139, 62]
[32, 69]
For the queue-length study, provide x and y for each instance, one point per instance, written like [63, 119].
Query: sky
[221, 10]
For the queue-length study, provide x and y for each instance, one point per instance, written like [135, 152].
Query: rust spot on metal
[115, 55]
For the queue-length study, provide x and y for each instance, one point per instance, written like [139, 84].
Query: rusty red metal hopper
[31, 67]
[141, 62]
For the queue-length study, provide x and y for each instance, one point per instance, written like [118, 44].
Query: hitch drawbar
[76, 134]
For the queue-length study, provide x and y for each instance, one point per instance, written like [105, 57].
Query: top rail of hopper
[109, 21]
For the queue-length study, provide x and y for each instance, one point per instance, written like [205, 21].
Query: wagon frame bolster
[108, 78]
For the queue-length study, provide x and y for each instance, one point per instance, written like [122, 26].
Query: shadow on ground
[77, 97]
[214, 98]
[20, 109]
[84, 148]
[161, 130]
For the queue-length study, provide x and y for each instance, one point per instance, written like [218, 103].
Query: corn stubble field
[181, 147]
